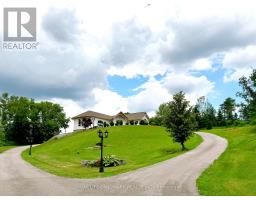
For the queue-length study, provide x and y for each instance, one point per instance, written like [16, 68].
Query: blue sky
[124, 86]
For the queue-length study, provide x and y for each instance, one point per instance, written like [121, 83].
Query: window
[79, 122]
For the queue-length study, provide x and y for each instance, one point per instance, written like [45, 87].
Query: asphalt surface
[176, 176]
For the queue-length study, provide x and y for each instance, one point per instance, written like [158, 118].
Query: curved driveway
[176, 176]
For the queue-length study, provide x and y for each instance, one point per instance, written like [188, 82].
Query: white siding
[94, 120]
[76, 125]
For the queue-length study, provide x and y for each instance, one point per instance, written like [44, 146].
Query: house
[98, 119]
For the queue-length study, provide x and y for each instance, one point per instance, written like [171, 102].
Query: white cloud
[193, 86]
[108, 102]
[201, 64]
[239, 62]
[151, 95]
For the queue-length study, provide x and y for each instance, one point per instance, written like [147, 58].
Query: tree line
[181, 119]
[18, 115]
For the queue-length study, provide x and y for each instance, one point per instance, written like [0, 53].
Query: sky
[131, 56]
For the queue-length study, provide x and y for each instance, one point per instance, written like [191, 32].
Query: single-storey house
[98, 119]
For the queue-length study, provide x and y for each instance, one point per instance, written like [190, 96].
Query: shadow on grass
[172, 150]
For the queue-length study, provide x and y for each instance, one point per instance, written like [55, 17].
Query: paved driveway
[176, 176]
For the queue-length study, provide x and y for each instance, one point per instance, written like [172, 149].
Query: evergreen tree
[179, 120]
[220, 118]
[228, 108]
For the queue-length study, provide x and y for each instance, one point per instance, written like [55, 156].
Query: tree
[228, 108]
[248, 93]
[161, 113]
[179, 120]
[155, 121]
[19, 113]
[204, 113]
[53, 119]
[220, 118]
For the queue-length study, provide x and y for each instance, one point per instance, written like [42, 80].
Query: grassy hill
[234, 173]
[139, 146]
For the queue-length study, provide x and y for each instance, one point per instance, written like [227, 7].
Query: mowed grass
[234, 173]
[5, 148]
[139, 146]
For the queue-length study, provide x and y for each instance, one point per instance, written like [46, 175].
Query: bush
[111, 123]
[105, 124]
[132, 122]
[136, 122]
[155, 121]
[108, 161]
[143, 122]
[119, 123]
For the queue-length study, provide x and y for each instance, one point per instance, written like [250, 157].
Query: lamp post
[30, 138]
[102, 136]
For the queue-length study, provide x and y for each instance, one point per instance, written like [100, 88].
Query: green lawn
[234, 173]
[5, 145]
[4, 148]
[139, 146]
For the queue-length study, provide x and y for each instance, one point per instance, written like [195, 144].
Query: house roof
[129, 116]
[136, 116]
[122, 115]
[93, 114]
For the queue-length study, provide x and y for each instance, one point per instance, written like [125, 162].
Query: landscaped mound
[139, 146]
[108, 161]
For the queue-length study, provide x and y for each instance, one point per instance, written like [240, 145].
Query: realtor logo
[19, 24]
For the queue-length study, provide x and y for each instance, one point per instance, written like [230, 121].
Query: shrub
[119, 122]
[156, 121]
[132, 122]
[143, 122]
[108, 161]
[111, 123]
[105, 124]
[126, 123]
[136, 122]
